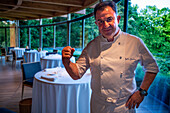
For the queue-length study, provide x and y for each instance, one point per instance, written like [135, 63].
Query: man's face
[107, 21]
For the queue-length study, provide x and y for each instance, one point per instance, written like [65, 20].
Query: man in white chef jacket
[112, 58]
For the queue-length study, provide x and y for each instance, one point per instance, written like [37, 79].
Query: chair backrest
[9, 48]
[55, 50]
[14, 55]
[3, 51]
[48, 53]
[27, 49]
[24, 59]
[30, 69]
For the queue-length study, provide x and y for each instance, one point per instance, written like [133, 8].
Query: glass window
[61, 35]
[76, 34]
[48, 38]
[24, 39]
[149, 20]
[91, 30]
[35, 37]
[4, 34]
[2, 38]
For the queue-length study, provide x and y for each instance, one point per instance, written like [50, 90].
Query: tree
[152, 26]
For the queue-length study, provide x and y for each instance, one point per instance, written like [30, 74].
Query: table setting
[34, 55]
[19, 51]
[54, 91]
[60, 75]
[53, 60]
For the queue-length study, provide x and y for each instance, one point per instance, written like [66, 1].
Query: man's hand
[134, 100]
[67, 53]
[71, 67]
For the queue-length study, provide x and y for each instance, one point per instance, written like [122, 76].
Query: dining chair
[15, 59]
[3, 52]
[24, 59]
[27, 49]
[55, 50]
[28, 72]
[49, 53]
[9, 50]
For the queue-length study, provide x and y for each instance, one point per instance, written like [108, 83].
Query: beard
[108, 32]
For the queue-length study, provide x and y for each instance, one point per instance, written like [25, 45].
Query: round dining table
[34, 55]
[54, 91]
[19, 51]
[53, 60]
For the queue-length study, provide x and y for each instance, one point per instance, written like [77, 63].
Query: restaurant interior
[22, 65]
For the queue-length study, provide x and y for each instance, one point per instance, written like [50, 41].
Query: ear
[118, 18]
[95, 22]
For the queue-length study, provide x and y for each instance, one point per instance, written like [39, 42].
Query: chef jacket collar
[115, 37]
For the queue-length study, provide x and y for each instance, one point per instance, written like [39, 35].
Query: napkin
[50, 78]
[47, 69]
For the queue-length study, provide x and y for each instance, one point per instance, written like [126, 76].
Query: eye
[109, 19]
[100, 21]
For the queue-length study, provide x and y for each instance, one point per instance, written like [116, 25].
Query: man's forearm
[148, 79]
[71, 69]
[135, 99]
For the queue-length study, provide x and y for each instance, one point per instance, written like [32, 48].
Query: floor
[10, 86]
[10, 91]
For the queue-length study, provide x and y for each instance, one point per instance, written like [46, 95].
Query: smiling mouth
[106, 30]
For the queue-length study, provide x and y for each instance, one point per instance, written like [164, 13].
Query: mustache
[110, 27]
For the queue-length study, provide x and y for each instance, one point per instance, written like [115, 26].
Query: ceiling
[36, 9]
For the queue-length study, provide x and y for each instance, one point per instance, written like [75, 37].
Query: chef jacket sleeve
[83, 63]
[147, 60]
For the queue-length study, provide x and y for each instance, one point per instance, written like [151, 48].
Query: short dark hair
[102, 5]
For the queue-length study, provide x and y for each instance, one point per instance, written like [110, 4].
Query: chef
[112, 58]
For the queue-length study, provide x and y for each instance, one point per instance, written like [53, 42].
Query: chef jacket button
[109, 99]
[120, 57]
[121, 75]
[114, 100]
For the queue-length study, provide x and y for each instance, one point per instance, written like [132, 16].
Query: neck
[112, 38]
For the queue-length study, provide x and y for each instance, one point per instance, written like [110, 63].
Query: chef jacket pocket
[130, 66]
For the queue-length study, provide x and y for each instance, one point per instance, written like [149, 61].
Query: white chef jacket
[112, 66]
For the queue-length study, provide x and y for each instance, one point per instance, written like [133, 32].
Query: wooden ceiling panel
[13, 16]
[14, 2]
[36, 9]
[47, 7]
[73, 3]
[21, 14]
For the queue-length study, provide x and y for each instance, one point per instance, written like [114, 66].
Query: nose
[106, 24]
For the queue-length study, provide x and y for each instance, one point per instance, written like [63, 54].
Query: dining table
[54, 91]
[34, 55]
[53, 60]
[19, 51]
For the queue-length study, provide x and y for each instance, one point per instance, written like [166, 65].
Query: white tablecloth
[63, 95]
[34, 56]
[52, 61]
[19, 51]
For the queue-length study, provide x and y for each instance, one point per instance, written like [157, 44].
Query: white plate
[51, 74]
